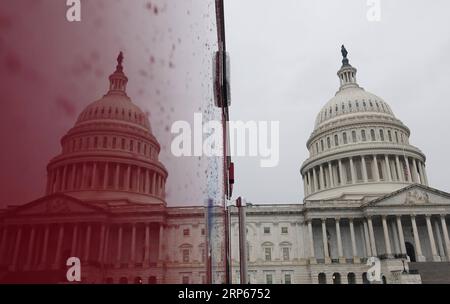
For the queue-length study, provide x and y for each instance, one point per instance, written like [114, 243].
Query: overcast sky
[285, 55]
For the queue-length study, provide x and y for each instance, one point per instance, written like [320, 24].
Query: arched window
[381, 135]
[396, 136]
[96, 142]
[336, 278]
[322, 278]
[363, 135]
[344, 136]
[336, 140]
[372, 135]
[321, 144]
[328, 143]
[114, 142]
[123, 144]
[105, 142]
[138, 280]
[354, 136]
[351, 278]
[384, 280]
[390, 135]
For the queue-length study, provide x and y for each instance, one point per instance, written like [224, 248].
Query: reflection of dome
[110, 153]
[114, 107]
[358, 147]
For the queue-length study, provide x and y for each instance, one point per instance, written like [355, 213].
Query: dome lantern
[118, 80]
[347, 73]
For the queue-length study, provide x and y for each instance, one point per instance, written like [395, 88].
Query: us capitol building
[366, 195]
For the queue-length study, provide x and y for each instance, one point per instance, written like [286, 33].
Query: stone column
[445, 233]
[316, 186]
[440, 245]
[106, 177]
[387, 241]
[330, 173]
[339, 241]
[73, 248]
[372, 237]
[376, 173]
[102, 243]
[74, 177]
[424, 171]
[311, 242]
[105, 257]
[147, 181]
[408, 168]
[325, 242]
[63, 180]
[399, 169]
[119, 245]
[420, 256]
[388, 168]
[401, 236]
[367, 239]
[416, 174]
[94, 176]
[127, 178]
[154, 184]
[133, 245]
[364, 169]
[87, 243]
[17, 247]
[341, 173]
[117, 176]
[436, 257]
[83, 177]
[310, 189]
[57, 261]
[30, 247]
[147, 245]
[322, 177]
[394, 237]
[352, 171]
[45, 246]
[352, 236]
[161, 242]
[56, 184]
[138, 179]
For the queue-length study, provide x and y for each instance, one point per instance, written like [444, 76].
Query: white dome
[352, 101]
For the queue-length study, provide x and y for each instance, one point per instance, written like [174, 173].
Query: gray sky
[285, 55]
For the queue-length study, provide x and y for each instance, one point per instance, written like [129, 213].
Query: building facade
[366, 195]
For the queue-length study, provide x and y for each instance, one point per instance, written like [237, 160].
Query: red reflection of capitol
[104, 203]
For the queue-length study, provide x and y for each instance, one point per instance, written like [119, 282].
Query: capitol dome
[110, 154]
[358, 147]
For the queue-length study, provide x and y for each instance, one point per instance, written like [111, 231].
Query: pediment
[55, 205]
[414, 195]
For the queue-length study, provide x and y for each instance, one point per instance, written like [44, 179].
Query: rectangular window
[185, 255]
[328, 143]
[266, 230]
[287, 278]
[336, 140]
[389, 135]
[363, 135]
[185, 279]
[344, 136]
[203, 231]
[354, 136]
[268, 254]
[203, 255]
[186, 232]
[284, 230]
[269, 278]
[286, 254]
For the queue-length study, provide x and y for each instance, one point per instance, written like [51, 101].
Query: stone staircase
[433, 272]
